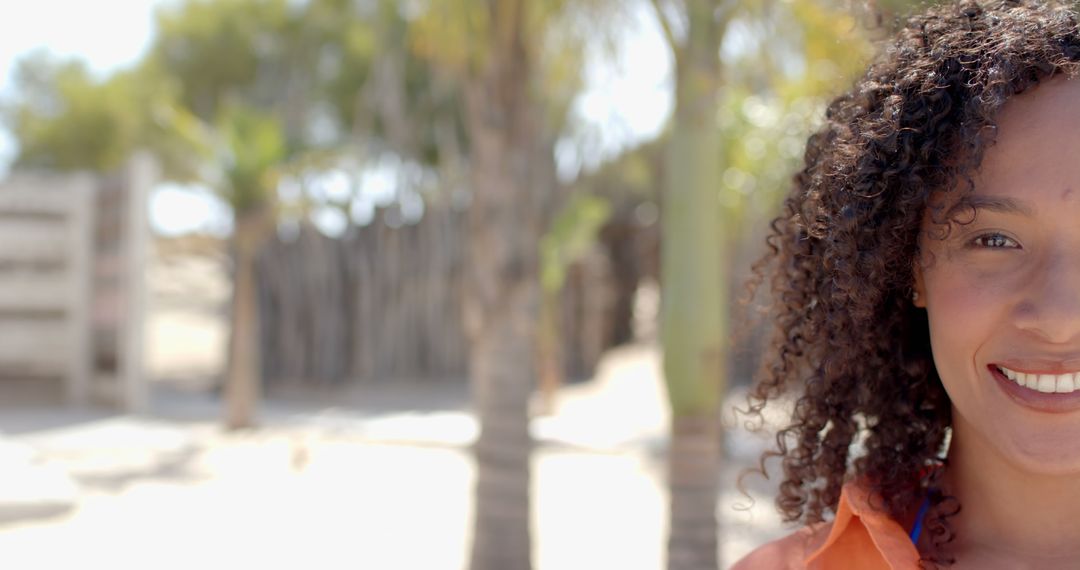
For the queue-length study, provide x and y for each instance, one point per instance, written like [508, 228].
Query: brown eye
[995, 241]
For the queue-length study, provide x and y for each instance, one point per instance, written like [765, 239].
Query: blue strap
[917, 529]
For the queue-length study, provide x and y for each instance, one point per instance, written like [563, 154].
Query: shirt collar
[862, 531]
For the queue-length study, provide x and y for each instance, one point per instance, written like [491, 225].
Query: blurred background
[390, 284]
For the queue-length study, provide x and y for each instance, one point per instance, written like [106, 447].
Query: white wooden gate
[73, 254]
[46, 246]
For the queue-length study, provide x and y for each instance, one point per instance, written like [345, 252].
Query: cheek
[965, 309]
[960, 292]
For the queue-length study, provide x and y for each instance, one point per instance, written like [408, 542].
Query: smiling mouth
[1045, 383]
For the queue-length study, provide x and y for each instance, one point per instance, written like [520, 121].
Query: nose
[1051, 309]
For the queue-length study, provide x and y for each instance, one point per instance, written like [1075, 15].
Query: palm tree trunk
[513, 183]
[502, 380]
[694, 295]
[549, 365]
[243, 380]
[693, 481]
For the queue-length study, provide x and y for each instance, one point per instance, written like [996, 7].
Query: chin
[1054, 456]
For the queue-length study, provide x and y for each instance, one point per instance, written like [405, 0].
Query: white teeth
[1065, 384]
[1046, 383]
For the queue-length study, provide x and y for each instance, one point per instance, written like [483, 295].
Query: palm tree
[515, 96]
[512, 180]
[252, 147]
[694, 296]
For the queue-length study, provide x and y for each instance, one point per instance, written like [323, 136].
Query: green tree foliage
[572, 232]
[792, 56]
[218, 52]
[454, 36]
[251, 151]
[72, 121]
[66, 119]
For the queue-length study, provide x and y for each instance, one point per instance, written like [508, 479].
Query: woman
[926, 274]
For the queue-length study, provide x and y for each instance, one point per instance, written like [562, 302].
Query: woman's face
[1003, 293]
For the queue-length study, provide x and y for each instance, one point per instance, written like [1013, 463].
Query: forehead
[1037, 150]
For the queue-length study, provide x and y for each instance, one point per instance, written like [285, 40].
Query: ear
[919, 287]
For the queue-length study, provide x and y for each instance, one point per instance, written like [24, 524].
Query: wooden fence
[383, 303]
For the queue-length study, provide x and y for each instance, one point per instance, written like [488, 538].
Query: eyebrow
[999, 204]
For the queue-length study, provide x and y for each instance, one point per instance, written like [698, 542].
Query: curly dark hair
[848, 340]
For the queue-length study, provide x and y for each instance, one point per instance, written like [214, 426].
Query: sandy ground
[186, 327]
[373, 478]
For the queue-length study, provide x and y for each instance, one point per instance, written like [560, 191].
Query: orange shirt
[859, 537]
